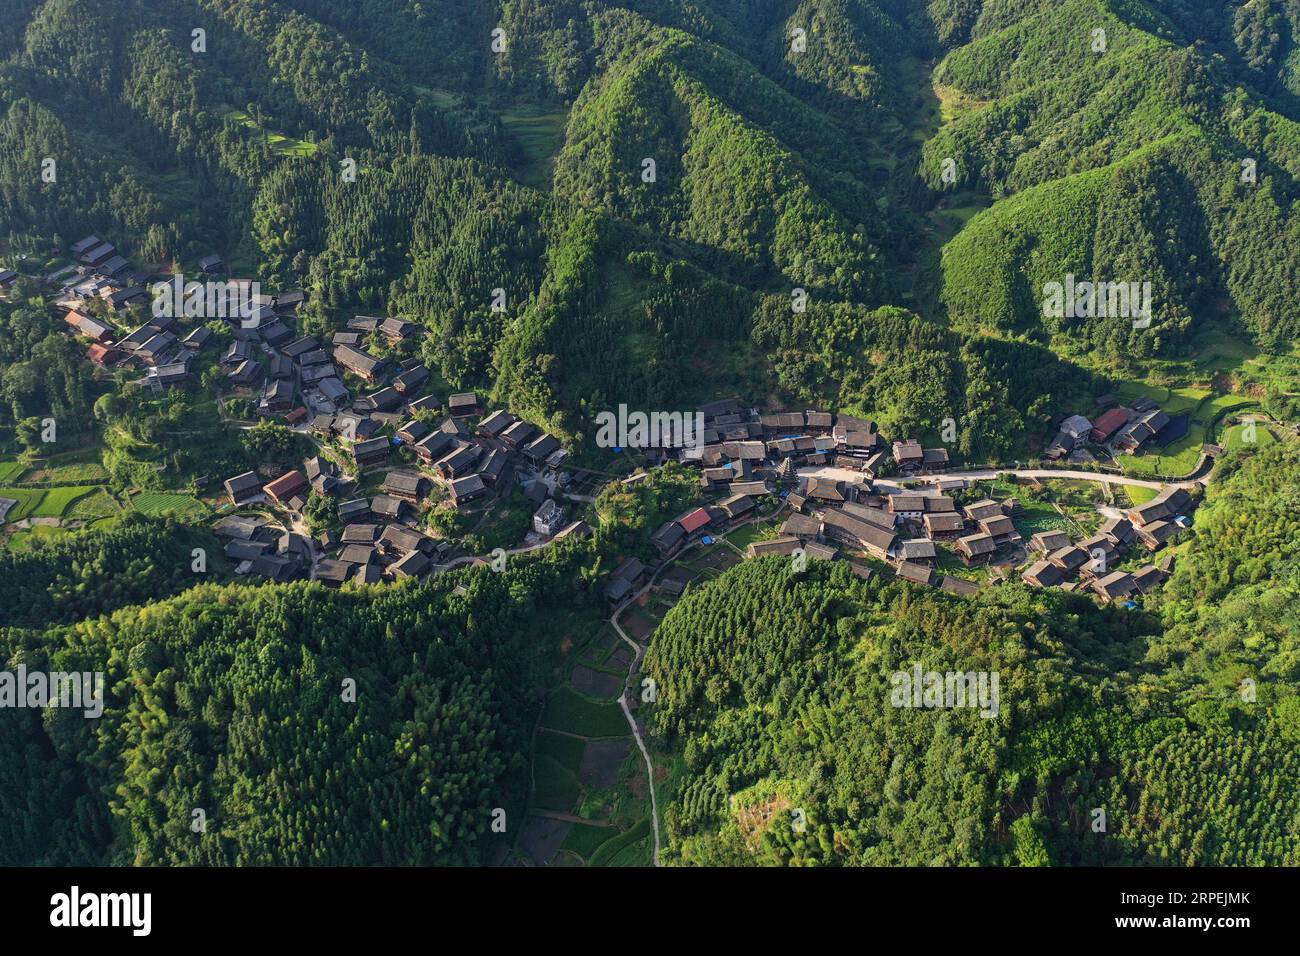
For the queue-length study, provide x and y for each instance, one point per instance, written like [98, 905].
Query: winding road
[486, 559]
[1196, 477]
[639, 651]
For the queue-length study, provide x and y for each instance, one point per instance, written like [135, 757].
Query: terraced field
[589, 805]
[280, 143]
[56, 502]
[28, 499]
[1179, 457]
[164, 502]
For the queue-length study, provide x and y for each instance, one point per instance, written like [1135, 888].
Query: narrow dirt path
[571, 818]
[638, 652]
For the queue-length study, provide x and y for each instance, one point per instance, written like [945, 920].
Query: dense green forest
[853, 205]
[646, 183]
[88, 575]
[374, 725]
[776, 689]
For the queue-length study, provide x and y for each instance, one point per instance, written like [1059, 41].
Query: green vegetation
[408, 690]
[1139, 495]
[744, 536]
[97, 504]
[563, 749]
[57, 501]
[1235, 439]
[1167, 164]
[794, 709]
[28, 501]
[165, 503]
[91, 573]
[629, 848]
[584, 840]
[575, 713]
[34, 537]
[76, 468]
[1204, 410]
[280, 144]
[539, 133]
[554, 786]
[659, 204]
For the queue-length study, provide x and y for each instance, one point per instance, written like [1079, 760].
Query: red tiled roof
[694, 521]
[286, 485]
[1109, 423]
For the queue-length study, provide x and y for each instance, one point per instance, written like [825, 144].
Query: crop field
[97, 504]
[1140, 495]
[163, 502]
[565, 750]
[569, 711]
[71, 473]
[1234, 439]
[1179, 457]
[540, 134]
[554, 786]
[56, 501]
[1040, 517]
[585, 840]
[746, 535]
[630, 848]
[282, 144]
[29, 499]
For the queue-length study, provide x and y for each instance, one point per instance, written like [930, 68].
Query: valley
[371, 586]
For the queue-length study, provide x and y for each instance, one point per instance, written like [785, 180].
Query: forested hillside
[93, 574]
[845, 205]
[378, 725]
[608, 203]
[1145, 716]
[1115, 146]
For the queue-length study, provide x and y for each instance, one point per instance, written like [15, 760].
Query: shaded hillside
[794, 146]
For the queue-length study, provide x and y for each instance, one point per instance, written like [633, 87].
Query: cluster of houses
[738, 441]
[317, 371]
[378, 541]
[1122, 429]
[745, 456]
[1091, 564]
[159, 348]
[379, 537]
[259, 548]
[376, 544]
[306, 381]
[900, 529]
[469, 462]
